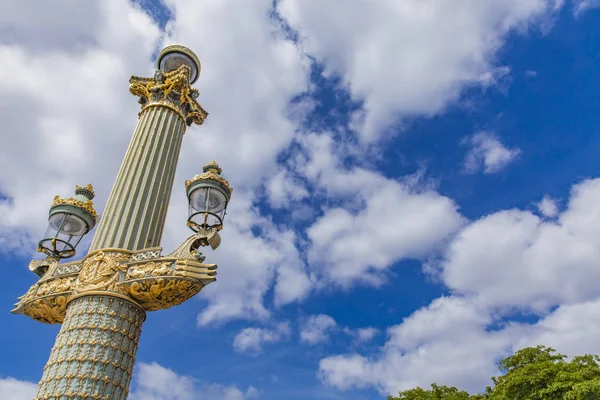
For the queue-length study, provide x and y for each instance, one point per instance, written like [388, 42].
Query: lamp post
[102, 300]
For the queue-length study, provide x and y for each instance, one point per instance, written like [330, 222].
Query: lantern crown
[210, 172]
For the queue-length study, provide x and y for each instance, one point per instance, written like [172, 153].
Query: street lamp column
[102, 300]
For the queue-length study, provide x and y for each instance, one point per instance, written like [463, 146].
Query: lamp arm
[148, 279]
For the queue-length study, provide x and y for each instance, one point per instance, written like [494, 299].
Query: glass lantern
[208, 196]
[70, 219]
[174, 56]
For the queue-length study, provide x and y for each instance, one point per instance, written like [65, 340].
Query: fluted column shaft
[94, 353]
[135, 213]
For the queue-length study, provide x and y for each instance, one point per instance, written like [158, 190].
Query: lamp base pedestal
[95, 350]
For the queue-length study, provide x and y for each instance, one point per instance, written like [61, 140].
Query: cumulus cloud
[380, 221]
[547, 207]
[504, 264]
[155, 382]
[411, 57]
[251, 340]
[452, 341]
[13, 389]
[488, 153]
[316, 328]
[513, 258]
[77, 116]
[423, 349]
[282, 189]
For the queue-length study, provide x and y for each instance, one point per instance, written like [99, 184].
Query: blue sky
[416, 189]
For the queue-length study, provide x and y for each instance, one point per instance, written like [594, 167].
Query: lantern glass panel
[208, 199]
[207, 207]
[66, 227]
[216, 201]
[198, 199]
[54, 223]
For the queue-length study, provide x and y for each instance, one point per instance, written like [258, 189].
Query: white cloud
[397, 223]
[155, 382]
[547, 207]
[504, 264]
[77, 116]
[316, 329]
[362, 335]
[450, 342]
[282, 189]
[250, 340]
[581, 6]
[13, 389]
[513, 258]
[487, 153]
[383, 220]
[411, 57]
[429, 346]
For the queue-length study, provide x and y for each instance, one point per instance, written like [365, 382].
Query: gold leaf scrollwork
[162, 293]
[101, 270]
[150, 268]
[86, 205]
[50, 309]
[46, 301]
[170, 89]
[210, 174]
[58, 285]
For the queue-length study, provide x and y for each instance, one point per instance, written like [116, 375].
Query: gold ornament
[162, 293]
[101, 270]
[50, 309]
[86, 205]
[170, 90]
[143, 278]
[210, 175]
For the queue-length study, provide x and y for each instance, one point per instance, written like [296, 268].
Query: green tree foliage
[436, 393]
[533, 373]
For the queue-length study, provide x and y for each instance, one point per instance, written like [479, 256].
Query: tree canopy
[532, 373]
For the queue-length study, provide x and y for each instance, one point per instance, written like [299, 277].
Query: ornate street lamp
[70, 219]
[208, 195]
[102, 300]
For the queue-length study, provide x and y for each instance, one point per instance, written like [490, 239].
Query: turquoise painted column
[136, 210]
[94, 353]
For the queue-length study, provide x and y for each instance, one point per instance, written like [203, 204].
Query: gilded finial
[87, 190]
[212, 166]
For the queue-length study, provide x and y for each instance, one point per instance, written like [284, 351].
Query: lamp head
[68, 221]
[208, 195]
[174, 56]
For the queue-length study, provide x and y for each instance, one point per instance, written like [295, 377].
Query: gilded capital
[178, 67]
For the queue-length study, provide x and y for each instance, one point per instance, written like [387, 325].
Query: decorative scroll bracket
[150, 280]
